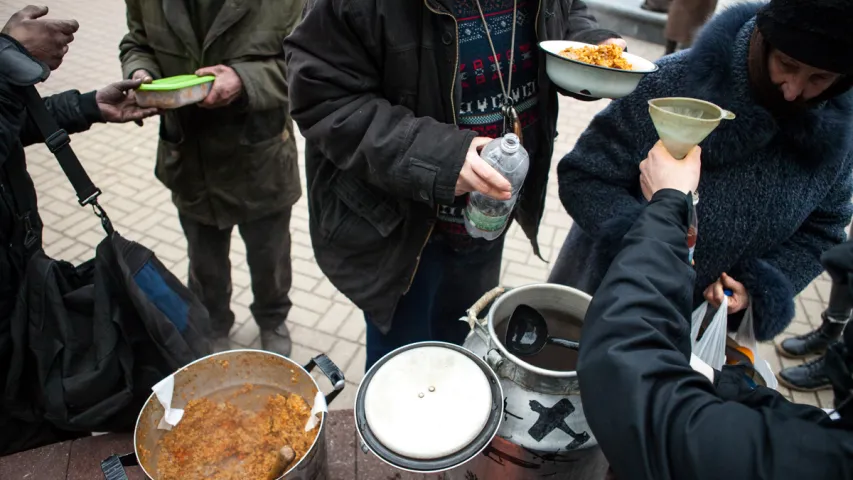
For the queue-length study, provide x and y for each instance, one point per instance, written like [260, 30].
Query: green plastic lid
[175, 83]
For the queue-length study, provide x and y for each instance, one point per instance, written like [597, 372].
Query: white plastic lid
[427, 402]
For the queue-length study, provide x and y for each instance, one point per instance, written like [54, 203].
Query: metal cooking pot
[210, 376]
[544, 432]
[478, 412]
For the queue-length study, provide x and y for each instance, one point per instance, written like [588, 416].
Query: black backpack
[88, 342]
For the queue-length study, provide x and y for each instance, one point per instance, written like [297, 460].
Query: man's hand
[118, 105]
[46, 40]
[660, 171]
[144, 77]
[715, 292]
[478, 176]
[616, 41]
[226, 88]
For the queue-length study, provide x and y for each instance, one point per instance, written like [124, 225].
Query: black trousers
[446, 284]
[268, 255]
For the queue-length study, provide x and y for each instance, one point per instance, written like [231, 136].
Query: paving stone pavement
[120, 159]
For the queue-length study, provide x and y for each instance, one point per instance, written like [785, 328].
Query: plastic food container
[174, 92]
[592, 80]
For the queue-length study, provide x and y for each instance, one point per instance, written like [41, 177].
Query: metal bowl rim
[502, 348]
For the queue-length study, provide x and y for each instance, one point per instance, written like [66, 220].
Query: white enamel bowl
[592, 80]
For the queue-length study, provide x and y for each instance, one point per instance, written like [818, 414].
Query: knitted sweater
[773, 194]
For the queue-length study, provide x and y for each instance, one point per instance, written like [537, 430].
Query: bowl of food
[244, 414]
[595, 71]
[174, 92]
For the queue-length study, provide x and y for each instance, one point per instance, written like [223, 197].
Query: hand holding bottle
[478, 176]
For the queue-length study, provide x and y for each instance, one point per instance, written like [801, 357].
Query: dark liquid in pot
[552, 357]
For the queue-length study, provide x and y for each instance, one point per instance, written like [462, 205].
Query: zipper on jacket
[453, 111]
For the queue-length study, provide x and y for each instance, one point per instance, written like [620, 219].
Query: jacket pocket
[361, 215]
[263, 126]
[169, 162]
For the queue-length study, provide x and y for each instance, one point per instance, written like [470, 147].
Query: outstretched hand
[118, 104]
[46, 40]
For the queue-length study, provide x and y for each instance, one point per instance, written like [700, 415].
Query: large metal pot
[227, 371]
[544, 432]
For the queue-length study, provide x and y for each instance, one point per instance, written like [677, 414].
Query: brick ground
[121, 161]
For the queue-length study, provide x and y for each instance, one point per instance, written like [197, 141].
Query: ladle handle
[564, 343]
[480, 305]
[331, 371]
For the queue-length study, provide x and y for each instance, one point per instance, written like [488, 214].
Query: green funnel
[682, 123]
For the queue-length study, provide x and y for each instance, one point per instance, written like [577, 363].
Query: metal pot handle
[481, 304]
[331, 371]
[113, 466]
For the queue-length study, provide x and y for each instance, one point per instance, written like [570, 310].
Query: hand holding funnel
[682, 123]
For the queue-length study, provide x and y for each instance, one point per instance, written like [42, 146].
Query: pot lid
[428, 407]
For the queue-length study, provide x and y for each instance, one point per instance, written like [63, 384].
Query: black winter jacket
[653, 415]
[374, 89]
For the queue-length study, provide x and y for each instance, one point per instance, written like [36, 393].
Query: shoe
[808, 377]
[220, 344]
[812, 343]
[277, 340]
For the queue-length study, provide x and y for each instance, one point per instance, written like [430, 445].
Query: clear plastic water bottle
[486, 217]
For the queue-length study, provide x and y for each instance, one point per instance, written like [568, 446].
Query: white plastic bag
[711, 348]
[745, 337]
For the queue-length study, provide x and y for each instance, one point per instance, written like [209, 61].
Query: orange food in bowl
[609, 56]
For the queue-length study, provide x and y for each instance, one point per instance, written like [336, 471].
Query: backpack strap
[59, 143]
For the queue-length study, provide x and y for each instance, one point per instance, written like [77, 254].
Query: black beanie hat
[818, 33]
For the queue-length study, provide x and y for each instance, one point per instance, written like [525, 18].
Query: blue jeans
[446, 284]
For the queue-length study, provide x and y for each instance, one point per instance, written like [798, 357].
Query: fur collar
[717, 72]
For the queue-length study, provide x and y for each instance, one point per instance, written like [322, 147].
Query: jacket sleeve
[599, 179]
[583, 27]
[774, 279]
[334, 62]
[638, 389]
[134, 51]
[74, 112]
[264, 79]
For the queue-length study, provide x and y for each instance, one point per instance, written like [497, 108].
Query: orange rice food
[609, 56]
[223, 442]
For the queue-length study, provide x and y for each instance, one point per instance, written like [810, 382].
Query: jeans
[268, 256]
[446, 284]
